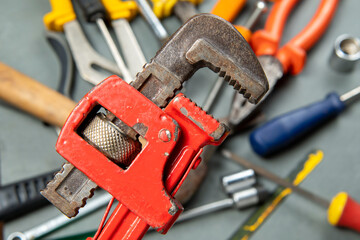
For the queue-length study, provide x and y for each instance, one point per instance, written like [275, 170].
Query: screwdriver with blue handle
[282, 131]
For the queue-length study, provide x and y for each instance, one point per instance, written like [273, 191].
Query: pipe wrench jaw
[203, 41]
[157, 171]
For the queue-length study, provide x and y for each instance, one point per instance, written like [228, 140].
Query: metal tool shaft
[184, 10]
[241, 199]
[205, 209]
[131, 49]
[350, 96]
[114, 51]
[152, 20]
[61, 220]
[259, 10]
[272, 177]
[85, 56]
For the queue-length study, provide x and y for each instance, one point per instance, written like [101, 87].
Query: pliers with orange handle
[293, 55]
[288, 59]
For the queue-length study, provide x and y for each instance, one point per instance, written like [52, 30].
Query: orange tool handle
[293, 54]
[245, 32]
[228, 9]
[267, 40]
[344, 212]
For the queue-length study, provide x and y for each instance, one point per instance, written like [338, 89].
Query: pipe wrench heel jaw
[210, 42]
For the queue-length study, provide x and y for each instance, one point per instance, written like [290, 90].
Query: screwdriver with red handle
[282, 131]
[343, 211]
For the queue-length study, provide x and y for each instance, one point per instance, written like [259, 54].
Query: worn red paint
[146, 187]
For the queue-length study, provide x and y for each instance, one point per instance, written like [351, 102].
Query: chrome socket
[250, 197]
[238, 181]
[345, 54]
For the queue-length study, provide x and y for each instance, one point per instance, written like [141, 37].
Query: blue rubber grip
[283, 130]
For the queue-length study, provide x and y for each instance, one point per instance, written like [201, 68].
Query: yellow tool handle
[33, 97]
[62, 12]
[163, 8]
[228, 9]
[120, 9]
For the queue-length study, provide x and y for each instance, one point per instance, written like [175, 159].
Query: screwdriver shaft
[272, 177]
[114, 51]
[152, 20]
[256, 14]
[350, 96]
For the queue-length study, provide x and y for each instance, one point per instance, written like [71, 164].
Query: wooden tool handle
[33, 97]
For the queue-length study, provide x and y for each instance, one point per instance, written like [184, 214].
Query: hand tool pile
[150, 150]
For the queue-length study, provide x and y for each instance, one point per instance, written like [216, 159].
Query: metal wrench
[164, 75]
[260, 9]
[85, 56]
[211, 42]
[94, 12]
[120, 12]
[62, 18]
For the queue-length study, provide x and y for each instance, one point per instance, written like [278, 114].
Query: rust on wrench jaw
[170, 67]
[203, 51]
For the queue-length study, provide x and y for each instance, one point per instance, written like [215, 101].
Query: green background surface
[27, 145]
